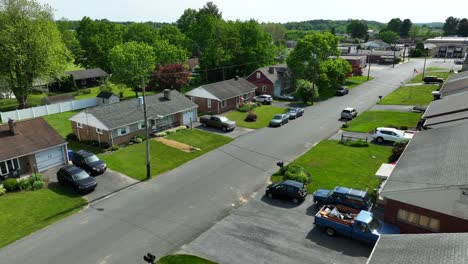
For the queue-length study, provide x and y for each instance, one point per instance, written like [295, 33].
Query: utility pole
[369, 61]
[148, 167]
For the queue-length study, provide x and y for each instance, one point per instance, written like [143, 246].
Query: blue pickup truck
[349, 222]
[348, 197]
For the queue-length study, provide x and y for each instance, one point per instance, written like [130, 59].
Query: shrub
[171, 131]
[404, 128]
[246, 107]
[24, 184]
[136, 140]
[179, 128]
[36, 177]
[345, 125]
[355, 143]
[114, 148]
[397, 150]
[161, 134]
[251, 117]
[296, 173]
[37, 185]
[142, 137]
[72, 137]
[11, 185]
[2, 190]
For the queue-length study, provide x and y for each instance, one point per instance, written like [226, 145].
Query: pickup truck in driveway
[217, 121]
[352, 223]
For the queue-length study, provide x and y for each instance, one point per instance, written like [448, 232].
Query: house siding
[87, 133]
[203, 105]
[259, 83]
[448, 224]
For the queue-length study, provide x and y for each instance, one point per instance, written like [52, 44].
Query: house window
[79, 125]
[141, 125]
[83, 82]
[7, 166]
[98, 130]
[123, 131]
[418, 220]
[223, 103]
[258, 75]
[208, 103]
[264, 88]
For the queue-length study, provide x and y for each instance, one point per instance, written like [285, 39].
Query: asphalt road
[162, 215]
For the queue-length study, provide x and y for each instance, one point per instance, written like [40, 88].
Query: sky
[262, 10]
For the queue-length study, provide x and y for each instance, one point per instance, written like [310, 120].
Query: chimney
[12, 125]
[167, 94]
[437, 95]
[236, 78]
[140, 100]
[271, 70]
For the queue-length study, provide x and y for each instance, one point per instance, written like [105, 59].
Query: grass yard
[264, 114]
[183, 259]
[370, 120]
[26, 212]
[131, 160]
[332, 164]
[410, 95]
[418, 78]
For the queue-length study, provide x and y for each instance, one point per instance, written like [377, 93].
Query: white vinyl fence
[48, 109]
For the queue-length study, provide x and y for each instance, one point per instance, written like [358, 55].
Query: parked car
[382, 134]
[264, 99]
[285, 97]
[295, 112]
[348, 113]
[433, 79]
[218, 121]
[289, 190]
[352, 223]
[342, 90]
[459, 62]
[89, 162]
[353, 198]
[76, 178]
[279, 120]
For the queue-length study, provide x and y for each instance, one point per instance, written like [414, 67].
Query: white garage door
[188, 116]
[50, 158]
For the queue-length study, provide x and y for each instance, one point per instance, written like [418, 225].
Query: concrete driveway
[237, 132]
[108, 183]
[274, 231]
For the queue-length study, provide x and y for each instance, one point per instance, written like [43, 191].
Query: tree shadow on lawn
[340, 244]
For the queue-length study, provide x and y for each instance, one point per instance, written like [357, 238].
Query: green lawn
[25, 212]
[350, 82]
[332, 164]
[418, 78]
[410, 95]
[183, 259]
[131, 160]
[370, 120]
[264, 114]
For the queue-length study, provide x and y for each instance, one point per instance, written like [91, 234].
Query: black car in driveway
[89, 162]
[342, 90]
[433, 79]
[76, 178]
[289, 190]
[295, 112]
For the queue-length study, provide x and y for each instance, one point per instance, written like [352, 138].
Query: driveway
[108, 183]
[273, 231]
[237, 132]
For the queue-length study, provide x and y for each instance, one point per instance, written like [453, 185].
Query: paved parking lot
[108, 183]
[273, 231]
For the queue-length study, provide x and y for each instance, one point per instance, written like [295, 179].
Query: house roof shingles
[225, 89]
[273, 77]
[130, 112]
[455, 84]
[450, 248]
[33, 135]
[87, 73]
[105, 94]
[448, 104]
[433, 158]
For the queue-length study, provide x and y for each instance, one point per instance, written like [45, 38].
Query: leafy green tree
[31, 46]
[141, 32]
[389, 37]
[130, 61]
[357, 29]
[97, 38]
[394, 25]
[306, 91]
[69, 39]
[336, 71]
[451, 26]
[168, 54]
[175, 37]
[187, 20]
[276, 31]
[296, 34]
[462, 29]
[405, 28]
[310, 52]
[210, 9]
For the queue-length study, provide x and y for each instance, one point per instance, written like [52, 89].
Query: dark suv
[353, 198]
[89, 162]
[433, 79]
[76, 178]
[290, 190]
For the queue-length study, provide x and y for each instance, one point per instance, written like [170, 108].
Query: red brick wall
[89, 133]
[263, 81]
[203, 105]
[448, 224]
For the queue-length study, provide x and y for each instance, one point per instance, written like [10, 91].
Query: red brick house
[222, 96]
[428, 189]
[271, 80]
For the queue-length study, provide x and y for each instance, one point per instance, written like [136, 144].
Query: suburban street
[162, 215]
